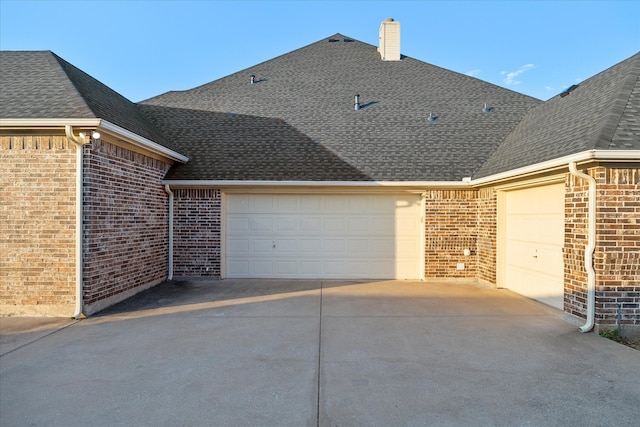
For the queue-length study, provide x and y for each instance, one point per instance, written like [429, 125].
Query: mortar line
[319, 357]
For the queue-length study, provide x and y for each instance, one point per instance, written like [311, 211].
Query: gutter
[79, 214]
[561, 162]
[101, 126]
[591, 245]
[350, 184]
[167, 189]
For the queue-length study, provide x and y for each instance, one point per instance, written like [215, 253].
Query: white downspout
[591, 245]
[170, 193]
[79, 232]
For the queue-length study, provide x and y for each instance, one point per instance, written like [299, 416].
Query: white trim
[315, 184]
[101, 125]
[223, 235]
[617, 155]
[79, 306]
[590, 248]
[167, 189]
[140, 141]
[30, 123]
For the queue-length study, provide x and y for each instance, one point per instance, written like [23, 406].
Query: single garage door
[534, 238]
[323, 236]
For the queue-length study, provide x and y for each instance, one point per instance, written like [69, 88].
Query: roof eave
[584, 156]
[101, 126]
[399, 185]
[140, 141]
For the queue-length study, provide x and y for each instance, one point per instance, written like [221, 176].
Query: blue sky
[145, 48]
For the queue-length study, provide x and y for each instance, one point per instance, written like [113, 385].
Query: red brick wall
[37, 225]
[617, 254]
[196, 233]
[575, 242]
[617, 257]
[451, 226]
[126, 224]
[487, 235]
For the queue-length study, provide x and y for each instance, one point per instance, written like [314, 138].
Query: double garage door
[533, 238]
[323, 236]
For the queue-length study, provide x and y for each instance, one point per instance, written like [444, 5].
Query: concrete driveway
[316, 353]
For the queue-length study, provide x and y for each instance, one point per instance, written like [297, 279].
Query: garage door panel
[286, 246]
[261, 224]
[262, 267]
[286, 224]
[358, 225]
[238, 204]
[310, 225]
[358, 246]
[335, 268]
[238, 246]
[323, 236]
[383, 225]
[238, 224]
[334, 225]
[238, 268]
[334, 247]
[310, 245]
[288, 203]
[262, 203]
[309, 204]
[261, 246]
[382, 247]
[335, 205]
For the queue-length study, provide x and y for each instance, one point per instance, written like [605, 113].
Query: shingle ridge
[110, 105]
[604, 137]
[59, 62]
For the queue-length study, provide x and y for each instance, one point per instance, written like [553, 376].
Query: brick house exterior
[156, 184]
[37, 265]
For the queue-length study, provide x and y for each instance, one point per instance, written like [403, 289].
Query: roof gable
[34, 85]
[600, 113]
[390, 138]
[41, 85]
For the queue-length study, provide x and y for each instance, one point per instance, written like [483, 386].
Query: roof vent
[356, 102]
[568, 91]
[432, 117]
[253, 79]
[486, 108]
[389, 40]
[332, 40]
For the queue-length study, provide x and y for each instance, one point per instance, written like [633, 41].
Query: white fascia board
[585, 156]
[100, 125]
[135, 139]
[48, 123]
[351, 184]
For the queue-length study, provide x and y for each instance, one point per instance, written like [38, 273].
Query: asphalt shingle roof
[297, 122]
[312, 90]
[602, 113]
[227, 146]
[41, 85]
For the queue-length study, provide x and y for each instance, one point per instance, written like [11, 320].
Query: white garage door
[323, 236]
[534, 240]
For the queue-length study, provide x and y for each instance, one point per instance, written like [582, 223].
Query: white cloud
[550, 88]
[510, 78]
[472, 73]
